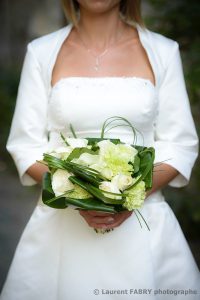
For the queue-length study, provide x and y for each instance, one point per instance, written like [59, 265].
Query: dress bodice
[86, 102]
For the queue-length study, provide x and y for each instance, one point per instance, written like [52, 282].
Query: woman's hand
[104, 220]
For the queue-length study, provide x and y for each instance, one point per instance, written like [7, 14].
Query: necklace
[97, 57]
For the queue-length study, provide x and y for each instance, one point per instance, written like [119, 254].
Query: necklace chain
[97, 57]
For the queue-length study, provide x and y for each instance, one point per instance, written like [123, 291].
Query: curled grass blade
[72, 131]
[137, 218]
[64, 139]
[109, 121]
[143, 219]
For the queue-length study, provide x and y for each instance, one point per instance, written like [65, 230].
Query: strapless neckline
[100, 79]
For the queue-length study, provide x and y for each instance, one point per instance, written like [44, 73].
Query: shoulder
[43, 47]
[46, 40]
[162, 42]
[162, 47]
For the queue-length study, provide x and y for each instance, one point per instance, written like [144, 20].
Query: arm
[163, 175]
[28, 137]
[36, 171]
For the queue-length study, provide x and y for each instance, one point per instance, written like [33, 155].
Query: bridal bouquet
[98, 174]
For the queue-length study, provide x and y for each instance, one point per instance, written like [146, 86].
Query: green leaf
[54, 162]
[82, 171]
[48, 198]
[90, 204]
[147, 157]
[76, 153]
[136, 164]
[146, 167]
[48, 194]
[88, 176]
[96, 192]
[139, 148]
[46, 182]
[92, 141]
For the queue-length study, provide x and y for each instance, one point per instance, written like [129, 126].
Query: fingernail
[110, 220]
[103, 227]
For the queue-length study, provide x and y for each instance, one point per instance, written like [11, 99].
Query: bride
[103, 63]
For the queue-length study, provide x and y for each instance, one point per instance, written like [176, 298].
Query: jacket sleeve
[28, 135]
[175, 134]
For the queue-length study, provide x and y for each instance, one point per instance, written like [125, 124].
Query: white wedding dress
[59, 257]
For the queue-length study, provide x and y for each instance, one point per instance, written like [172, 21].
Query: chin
[98, 6]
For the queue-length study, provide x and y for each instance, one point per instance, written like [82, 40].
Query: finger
[99, 224]
[99, 213]
[84, 212]
[105, 226]
[94, 224]
[119, 219]
[98, 220]
[103, 220]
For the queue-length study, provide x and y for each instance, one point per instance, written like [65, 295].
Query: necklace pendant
[97, 64]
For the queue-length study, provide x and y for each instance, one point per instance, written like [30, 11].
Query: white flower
[61, 152]
[107, 173]
[109, 187]
[117, 157]
[101, 167]
[86, 159]
[77, 143]
[122, 181]
[104, 145]
[61, 183]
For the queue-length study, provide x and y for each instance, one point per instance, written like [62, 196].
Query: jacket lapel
[146, 39]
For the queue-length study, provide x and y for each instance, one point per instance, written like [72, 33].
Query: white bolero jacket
[175, 134]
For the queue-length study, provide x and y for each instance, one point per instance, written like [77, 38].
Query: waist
[155, 197]
[146, 139]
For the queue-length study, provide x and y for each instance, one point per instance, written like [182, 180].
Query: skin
[100, 27]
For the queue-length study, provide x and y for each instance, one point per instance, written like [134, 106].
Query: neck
[100, 30]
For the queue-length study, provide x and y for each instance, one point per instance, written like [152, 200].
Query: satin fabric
[59, 256]
[175, 134]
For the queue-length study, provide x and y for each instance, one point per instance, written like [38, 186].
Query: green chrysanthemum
[117, 157]
[135, 196]
[79, 193]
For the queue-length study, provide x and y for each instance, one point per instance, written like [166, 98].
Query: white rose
[110, 187]
[87, 159]
[104, 145]
[61, 183]
[61, 152]
[132, 150]
[77, 143]
[101, 167]
[122, 181]
[107, 173]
